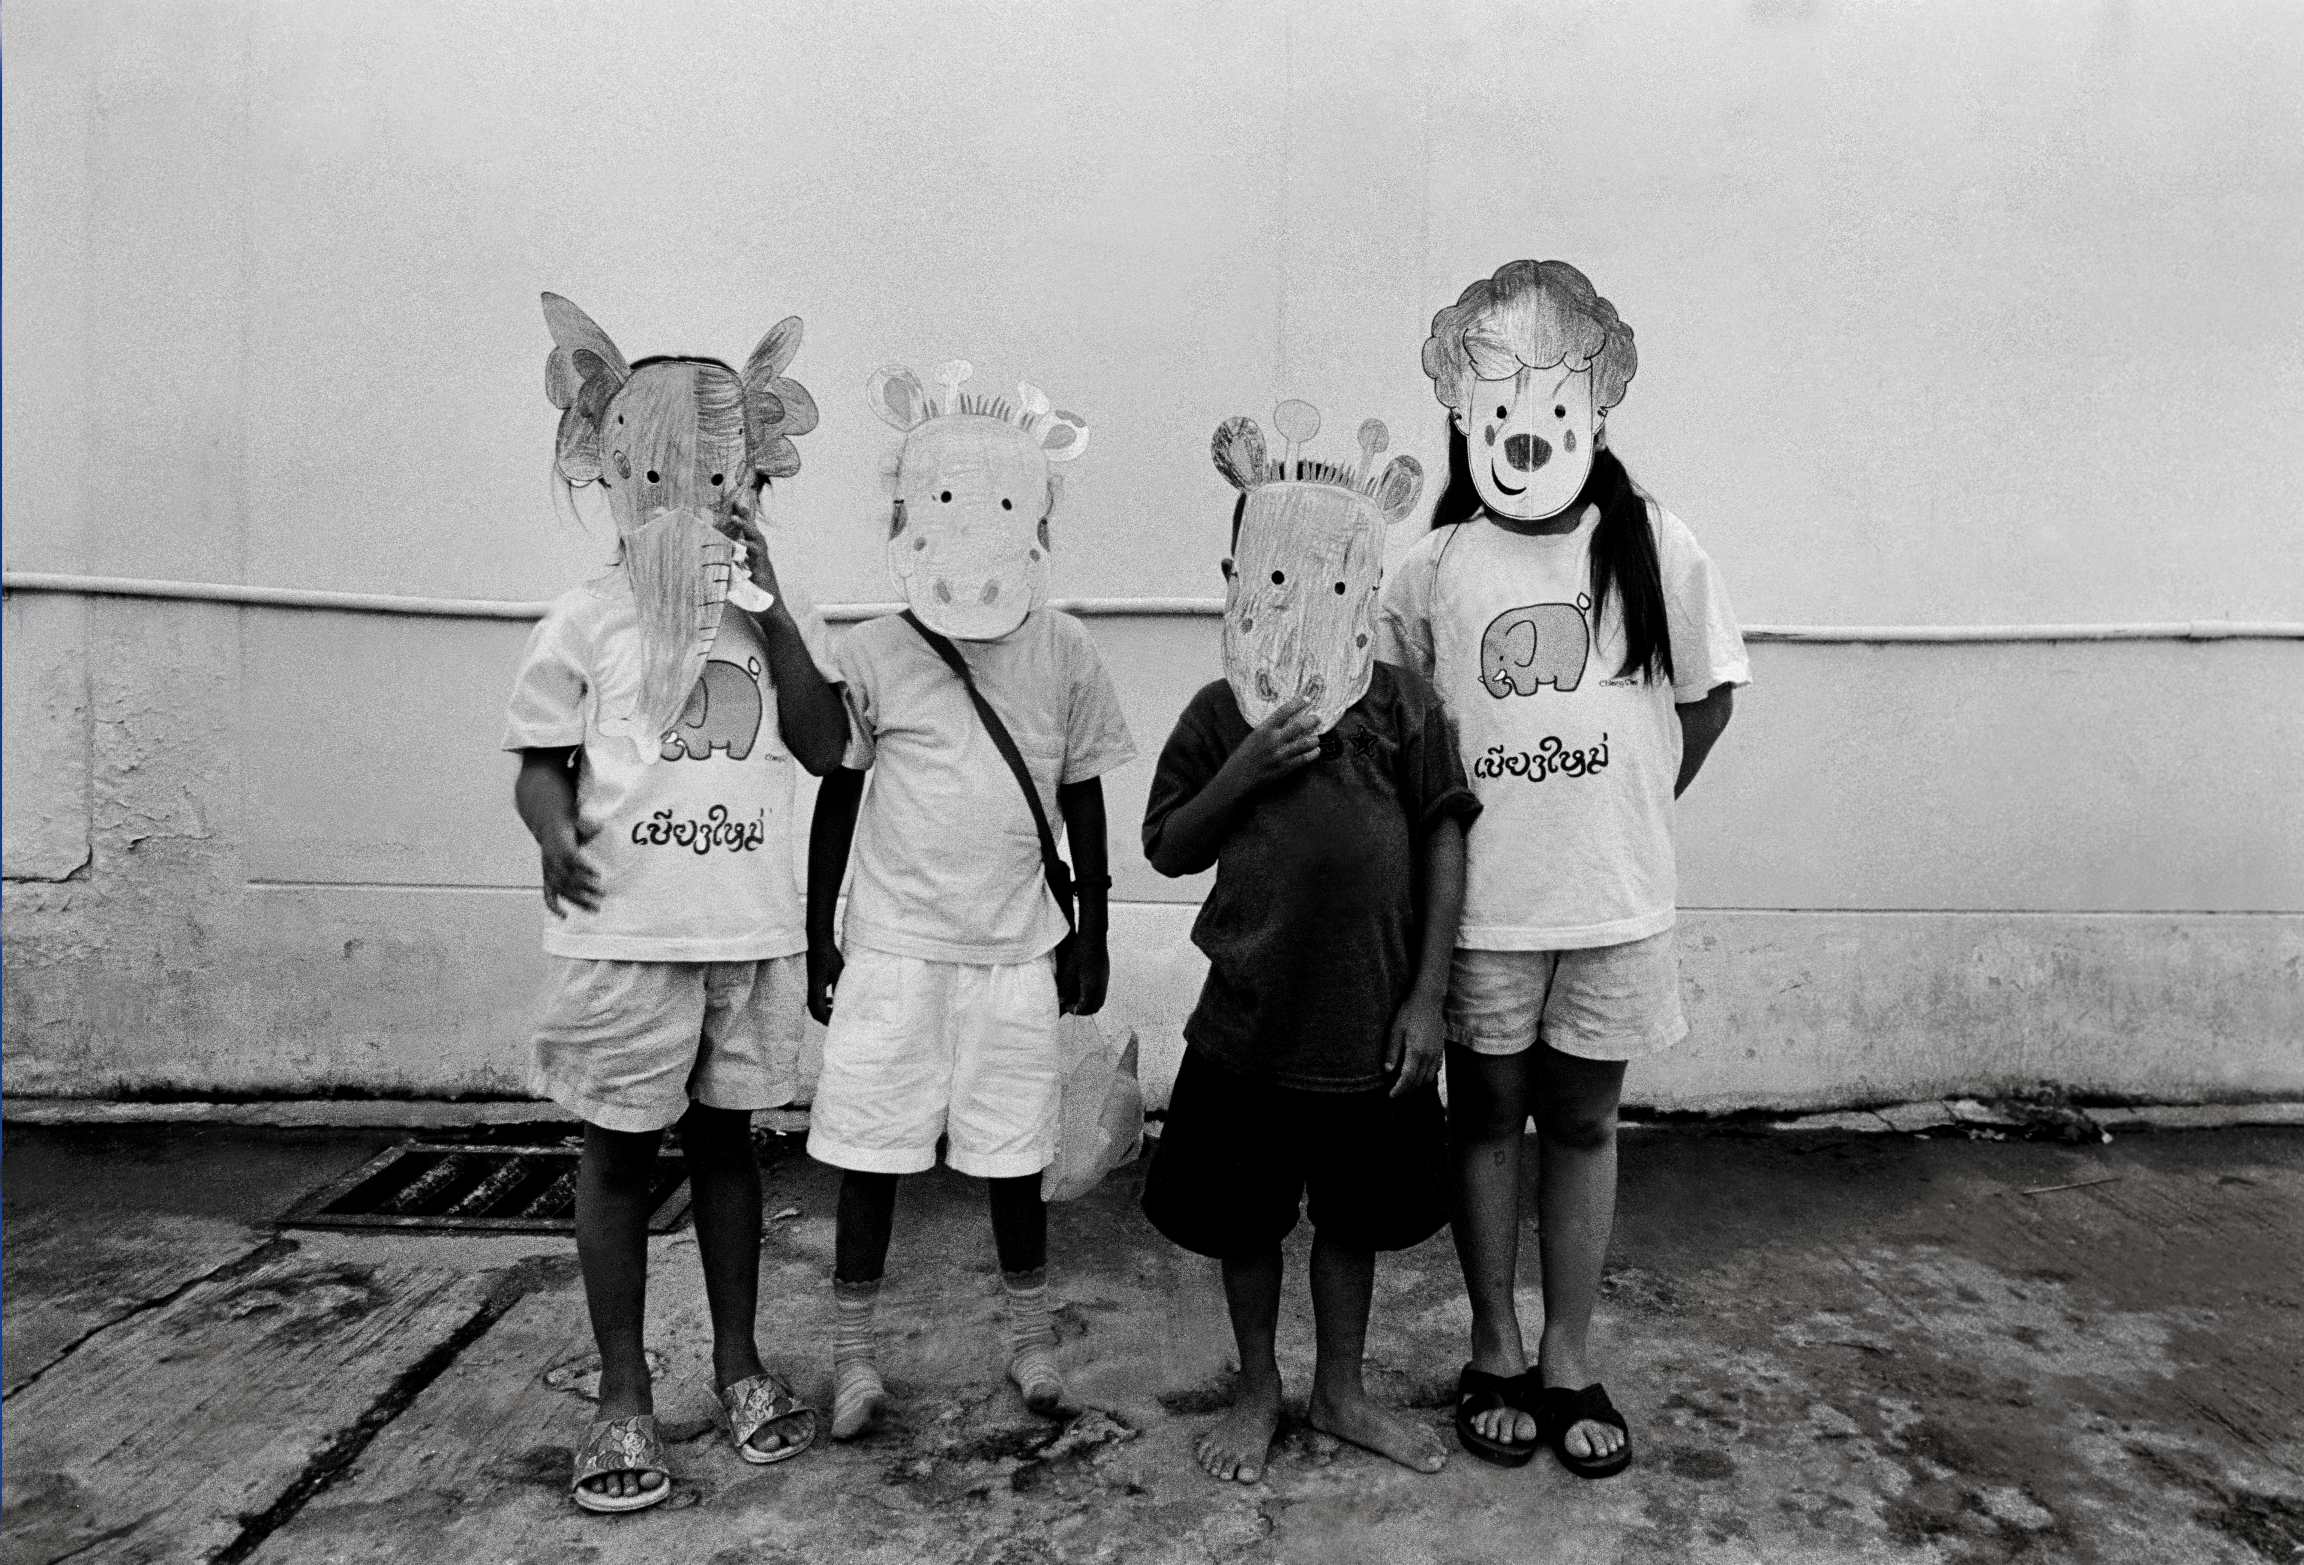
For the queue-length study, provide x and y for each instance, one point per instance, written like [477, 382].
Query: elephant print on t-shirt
[723, 713]
[1539, 644]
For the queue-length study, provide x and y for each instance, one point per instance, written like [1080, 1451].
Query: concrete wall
[1957, 314]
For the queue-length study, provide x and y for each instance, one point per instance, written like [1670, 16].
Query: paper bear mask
[1300, 602]
[679, 445]
[1529, 362]
[968, 540]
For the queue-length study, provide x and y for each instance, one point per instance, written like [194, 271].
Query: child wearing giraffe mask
[1585, 651]
[657, 712]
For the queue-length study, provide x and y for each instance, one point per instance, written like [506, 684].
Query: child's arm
[1701, 724]
[545, 795]
[809, 711]
[1082, 805]
[1185, 841]
[1414, 1055]
[830, 832]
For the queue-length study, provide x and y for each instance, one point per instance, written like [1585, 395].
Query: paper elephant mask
[1300, 603]
[679, 446]
[968, 540]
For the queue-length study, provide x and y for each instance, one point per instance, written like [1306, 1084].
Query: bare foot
[1239, 1445]
[1353, 1417]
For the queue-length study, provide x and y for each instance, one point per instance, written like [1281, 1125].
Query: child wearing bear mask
[1585, 651]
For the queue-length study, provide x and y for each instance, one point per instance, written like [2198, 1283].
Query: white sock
[858, 1393]
[1032, 1340]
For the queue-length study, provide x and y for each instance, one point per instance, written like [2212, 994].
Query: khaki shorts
[1615, 1002]
[919, 1050]
[627, 1045]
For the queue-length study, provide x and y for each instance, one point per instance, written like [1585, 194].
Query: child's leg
[1020, 1236]
[724, 1179]
[612, 1183]
[1240, 1444]
[1487, 1113]
[1576, 1208]
[867, 1216]
[1343, 1282]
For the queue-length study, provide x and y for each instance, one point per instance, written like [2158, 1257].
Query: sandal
[755, 1402]
[1479, 1392]
[620, 1445]
[1559, 1410]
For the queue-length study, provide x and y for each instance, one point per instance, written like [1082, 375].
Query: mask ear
[776, 407]
[896, 395]
[1064, 437]
[1397, 490]
[1238, 449]
[582, 374]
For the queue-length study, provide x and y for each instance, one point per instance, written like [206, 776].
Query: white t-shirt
[695, 850]
[947, 861]
[1572, 762]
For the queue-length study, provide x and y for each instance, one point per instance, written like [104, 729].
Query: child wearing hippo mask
[1585, 652]
[942, 992]
[657, 712]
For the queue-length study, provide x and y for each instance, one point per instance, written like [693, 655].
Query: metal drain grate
[433, 1187]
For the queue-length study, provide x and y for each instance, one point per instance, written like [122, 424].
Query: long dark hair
[1623, 550]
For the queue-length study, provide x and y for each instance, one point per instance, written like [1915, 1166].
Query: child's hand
[752, 546]
[568, 875]
[825, 964]
[1413, 1056]
[1091, 978]
[1283, 742]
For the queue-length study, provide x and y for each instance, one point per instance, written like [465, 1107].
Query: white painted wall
[1958, 313]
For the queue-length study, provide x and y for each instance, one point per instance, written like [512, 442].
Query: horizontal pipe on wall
[486, 608]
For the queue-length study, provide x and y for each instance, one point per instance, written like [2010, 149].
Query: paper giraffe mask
[1300, 603]
[968, 540]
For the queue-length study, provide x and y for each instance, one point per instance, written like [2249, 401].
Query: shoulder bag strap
[1052, 865]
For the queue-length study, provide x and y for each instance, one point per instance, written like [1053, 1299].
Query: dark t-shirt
[1310, 929]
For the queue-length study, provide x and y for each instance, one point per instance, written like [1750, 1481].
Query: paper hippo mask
[1300, 599]
[1529, 362]
[680, 446]
[968, 540]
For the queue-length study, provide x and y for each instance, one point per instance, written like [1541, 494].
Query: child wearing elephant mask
[657, 712]
[1584, 649]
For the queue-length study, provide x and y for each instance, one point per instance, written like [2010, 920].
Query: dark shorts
[1238, 1155]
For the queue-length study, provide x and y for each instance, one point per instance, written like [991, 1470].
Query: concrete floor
[1832, 1347]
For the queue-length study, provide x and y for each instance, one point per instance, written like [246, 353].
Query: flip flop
[1479, 1392]
[753, 1403]
[620, 1445]
[1559, 1410]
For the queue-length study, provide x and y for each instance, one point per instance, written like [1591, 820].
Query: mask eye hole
[1279, 578]
[1503, 412]
[1339, 589]
[716, 477]
[946, 497]
[1007, 505]
[651, 475]
[1559, 411]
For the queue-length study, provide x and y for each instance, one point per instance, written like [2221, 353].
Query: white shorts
[920, 1049]
[1603, 1003]
[626, 1045]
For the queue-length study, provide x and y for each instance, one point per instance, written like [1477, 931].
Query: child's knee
[620, 1157]
[715, 1139]
[1477, 1118]
[1579, 1127]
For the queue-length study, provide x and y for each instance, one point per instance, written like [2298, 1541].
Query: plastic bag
[1101, 1117]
